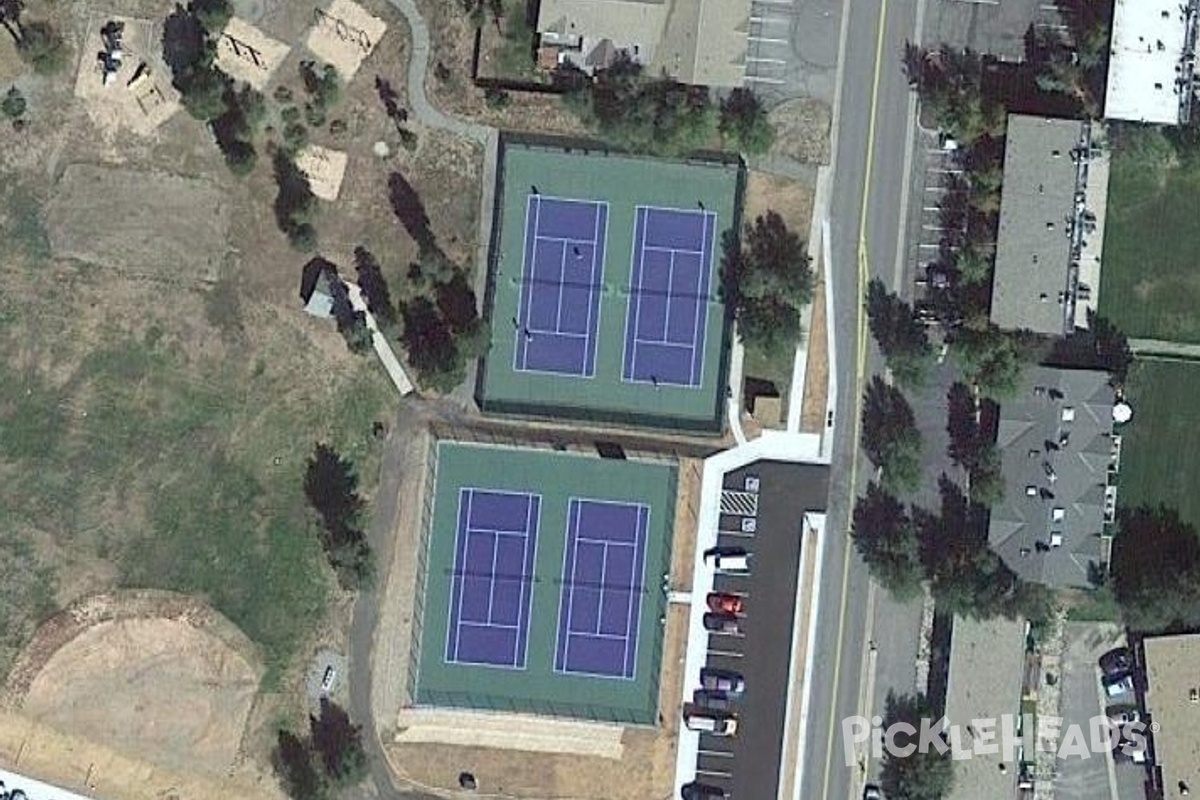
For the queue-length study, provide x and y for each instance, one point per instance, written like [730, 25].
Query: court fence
[429, 467]
[654, 597]
[545, 407]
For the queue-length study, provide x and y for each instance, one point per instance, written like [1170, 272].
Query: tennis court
[560, 290]
[664, 331]
[543, 583]
[493, 561]
[603, 579]
[603, 296]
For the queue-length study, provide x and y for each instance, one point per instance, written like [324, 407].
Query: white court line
[666, 334]
[603, 591]
[672, 250]
[563, 334]
[521, 346]
[636, 598]
[462, 578]
[700, 325]
[562, 283]
[518, 655]
[569, 593]
[663, 343]
[567, 239]
[629, 360]
[591, 290]
[466, 623]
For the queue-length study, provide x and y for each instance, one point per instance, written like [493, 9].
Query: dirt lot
[802, 130]
[152, 675]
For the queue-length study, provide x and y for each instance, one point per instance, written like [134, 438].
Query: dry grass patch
[802, 130]
[247, 54]
[141, 223]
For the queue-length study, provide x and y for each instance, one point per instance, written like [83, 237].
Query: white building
[1151, 68]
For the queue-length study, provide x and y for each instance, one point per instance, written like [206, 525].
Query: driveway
[1092, 778]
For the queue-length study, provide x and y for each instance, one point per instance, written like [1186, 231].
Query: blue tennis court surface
[562, 277]
[494, 553]
[668, 296]
[603, 581]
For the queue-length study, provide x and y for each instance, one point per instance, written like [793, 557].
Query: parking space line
[770, 20]
[713, 773]
[725, 653]
[766, 39]
[757, 79]
[717, 753]
[739, 534]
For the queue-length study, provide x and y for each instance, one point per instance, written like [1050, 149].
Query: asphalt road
[865, 226]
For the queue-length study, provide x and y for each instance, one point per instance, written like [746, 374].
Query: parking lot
[762, 511]
[1099, 776]
[792, 48]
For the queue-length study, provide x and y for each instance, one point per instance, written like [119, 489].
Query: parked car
[1118, 684]
[712, 699]
[713, 679]
[725, 603]
[718, 724]
[731, 560]
[1123, 715]
[702, 791]
[1116, 661]
[871, 792]
[327, 679]
[722, 623]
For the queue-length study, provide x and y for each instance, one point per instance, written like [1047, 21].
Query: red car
[726, 603]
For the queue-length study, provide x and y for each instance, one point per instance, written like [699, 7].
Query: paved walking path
[418, 66]
[1159, 347]
[382, 349]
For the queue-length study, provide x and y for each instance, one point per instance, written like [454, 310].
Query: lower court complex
[604, 293]
[544, 579]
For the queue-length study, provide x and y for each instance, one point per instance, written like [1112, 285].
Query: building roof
[1171, 680]
[701, 42]
[987, 661]
[1056, 445]
[1033, 247]
[1148, 43]
[316, 287]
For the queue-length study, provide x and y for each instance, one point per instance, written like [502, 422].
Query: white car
[1118, 685]
[707, 722]
[729, 560]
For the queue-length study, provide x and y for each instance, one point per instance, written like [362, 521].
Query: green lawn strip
[1160, 451]
[1150, 284]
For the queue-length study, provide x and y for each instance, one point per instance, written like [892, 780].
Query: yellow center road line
[864, 274]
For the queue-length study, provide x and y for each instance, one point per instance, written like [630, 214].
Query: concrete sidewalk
[382, 349]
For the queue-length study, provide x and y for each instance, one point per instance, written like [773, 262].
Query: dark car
[702, 791]
[711, 699]
[722, 680]
[722, 623]
[1117, 661]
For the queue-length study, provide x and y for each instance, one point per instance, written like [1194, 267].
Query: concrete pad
[344, 34]
[509, 732]
[325, 169]
[247, 54]
[139, 98]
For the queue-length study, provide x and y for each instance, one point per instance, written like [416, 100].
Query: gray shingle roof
[1033, 246]
[1056, 444]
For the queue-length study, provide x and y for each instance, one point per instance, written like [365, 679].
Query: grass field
[142, 447]
[1150, 284]
[624, 182]
[538, 687]
[1160, 455]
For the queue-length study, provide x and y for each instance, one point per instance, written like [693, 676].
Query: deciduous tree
[927, 773]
